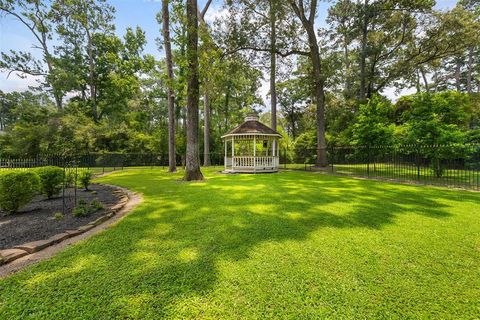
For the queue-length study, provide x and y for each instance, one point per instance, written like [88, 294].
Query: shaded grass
[287, 245]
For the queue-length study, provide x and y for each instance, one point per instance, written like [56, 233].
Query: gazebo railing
[252, 162]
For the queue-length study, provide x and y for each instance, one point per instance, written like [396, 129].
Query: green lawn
[290, 245]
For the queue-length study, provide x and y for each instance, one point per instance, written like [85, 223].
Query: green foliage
[80, 211]
[84, 209]
[17, 188]
[373, 125]
[70, 178]
[438, 119]
[305, 147]
[58, 216]
[84, 178]
[51, 180]
[96, 205]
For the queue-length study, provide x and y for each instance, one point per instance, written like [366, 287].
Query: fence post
[368, 161]
[417, 155]
[332, 162]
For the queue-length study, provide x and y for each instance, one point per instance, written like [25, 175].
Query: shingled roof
[252, 126]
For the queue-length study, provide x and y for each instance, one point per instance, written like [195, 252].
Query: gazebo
[252, 147]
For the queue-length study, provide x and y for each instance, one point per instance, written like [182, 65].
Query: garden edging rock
[19, 251]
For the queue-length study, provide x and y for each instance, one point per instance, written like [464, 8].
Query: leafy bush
[58, 216]
[51, 179]
[83, 209]
[305, 147]
[80, 211]
[70, 179]
[96, 205]
[85, 177]
[17, 188]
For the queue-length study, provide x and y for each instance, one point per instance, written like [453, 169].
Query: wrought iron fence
[448, 165]
[100, 162]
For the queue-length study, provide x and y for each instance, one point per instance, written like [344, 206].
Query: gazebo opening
[252, 147]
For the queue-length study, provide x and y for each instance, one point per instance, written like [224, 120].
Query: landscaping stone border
[19, 251]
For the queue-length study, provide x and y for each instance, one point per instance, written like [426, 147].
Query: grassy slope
[288, 245]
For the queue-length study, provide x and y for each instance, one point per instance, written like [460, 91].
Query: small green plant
[70, 179]
[95, 204]
[85, 177]
[93, 192]
[80, 211]
[83, 209]
[17, 188]
[58, 216]
[51, 179]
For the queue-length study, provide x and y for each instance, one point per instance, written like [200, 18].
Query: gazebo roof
[252, 126]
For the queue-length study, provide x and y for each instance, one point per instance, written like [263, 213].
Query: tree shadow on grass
[167, 251]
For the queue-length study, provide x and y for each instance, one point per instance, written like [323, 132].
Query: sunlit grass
[287, 245]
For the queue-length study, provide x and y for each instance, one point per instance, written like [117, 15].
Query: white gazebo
[252, 147]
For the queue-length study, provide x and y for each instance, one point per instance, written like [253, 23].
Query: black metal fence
[100, 162]
[448, 165]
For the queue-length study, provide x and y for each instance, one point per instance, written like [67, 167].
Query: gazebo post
[254, 152]
[226, 155]
[233, 152]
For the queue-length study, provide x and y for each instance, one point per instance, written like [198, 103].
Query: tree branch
[280, 53]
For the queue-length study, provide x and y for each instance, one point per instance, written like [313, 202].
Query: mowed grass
[294, 245]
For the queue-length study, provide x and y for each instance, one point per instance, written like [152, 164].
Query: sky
[13, 35]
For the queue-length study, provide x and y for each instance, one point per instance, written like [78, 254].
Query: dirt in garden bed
[36, 221]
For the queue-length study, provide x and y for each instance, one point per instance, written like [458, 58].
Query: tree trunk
[319, 96]
[206, 130]
[457, 76]
[469, 70]
[192, 161]
[91, 76]
[172, 161]
[347, 91]
[273, 65]
[424, 77]
[363, 53]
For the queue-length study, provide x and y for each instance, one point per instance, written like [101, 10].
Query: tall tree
[86, 20]
[37, 18]
[170, 92]
[267, 27]
[192, 159]
[306, 15]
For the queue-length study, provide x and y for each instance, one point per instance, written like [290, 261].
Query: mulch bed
[36, 221]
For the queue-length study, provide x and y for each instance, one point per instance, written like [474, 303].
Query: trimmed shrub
[51, 179]
[17, 188]
[70, 179]
[85, 177]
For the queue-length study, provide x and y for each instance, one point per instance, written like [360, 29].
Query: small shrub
[83, 209]
[51, 179]
[70, 179]
[58, 216]
[95, 204]
[17, 188]
[85, 177]
[80, 211]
